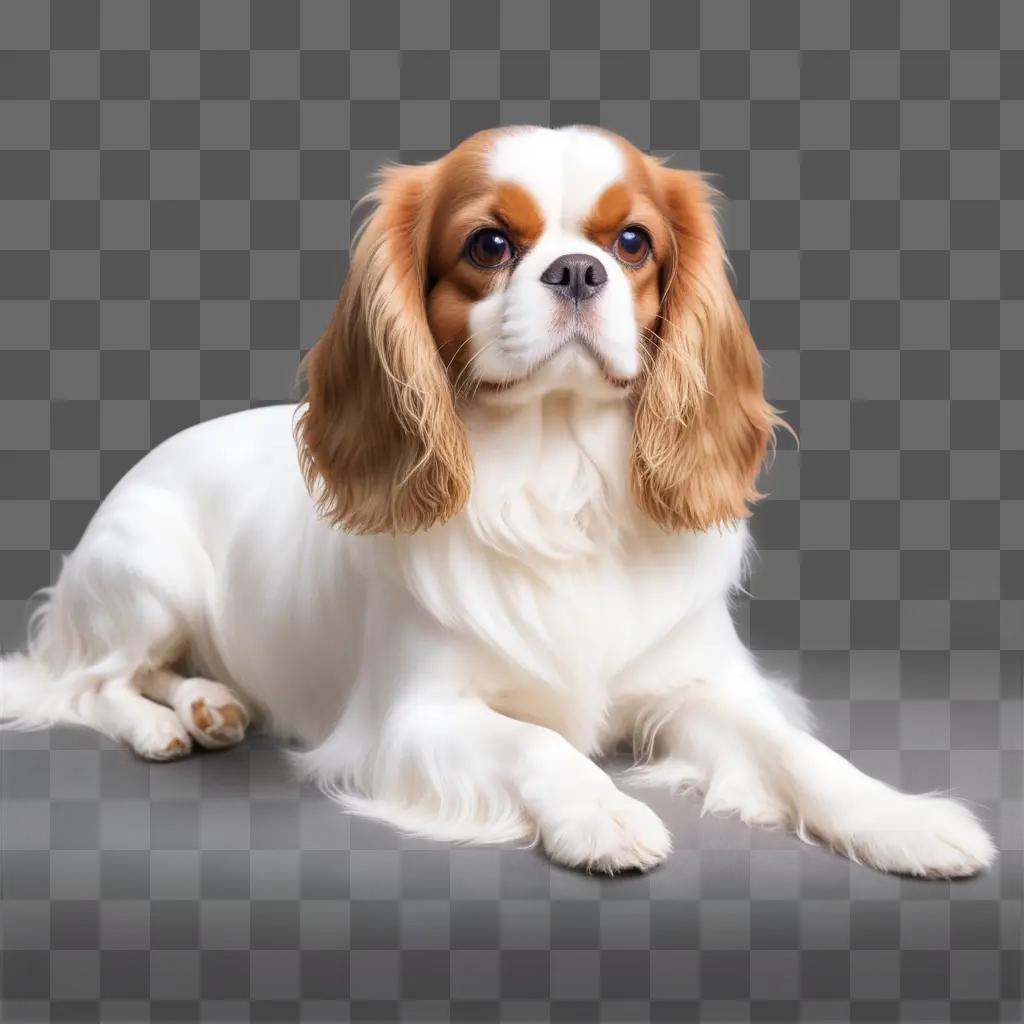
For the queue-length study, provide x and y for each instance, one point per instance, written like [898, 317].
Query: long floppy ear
[702, 423]
[381, 444]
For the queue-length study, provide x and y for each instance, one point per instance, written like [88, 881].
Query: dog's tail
[45, 683]
[28, 698]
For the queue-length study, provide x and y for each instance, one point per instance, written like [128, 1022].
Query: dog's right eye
[489, 249]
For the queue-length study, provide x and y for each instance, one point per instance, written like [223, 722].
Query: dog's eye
[632, 246]
[489, 249]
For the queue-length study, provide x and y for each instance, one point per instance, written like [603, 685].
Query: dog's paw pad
[217, 725]
[161, 740]
[201, 717]
[233, 719]
[176, 748]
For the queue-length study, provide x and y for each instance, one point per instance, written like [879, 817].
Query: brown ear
[381, 444]
[702, 423]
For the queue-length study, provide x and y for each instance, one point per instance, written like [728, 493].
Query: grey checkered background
[176, 182]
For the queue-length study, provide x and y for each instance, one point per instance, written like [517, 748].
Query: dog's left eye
[489, 249]
[632, 246]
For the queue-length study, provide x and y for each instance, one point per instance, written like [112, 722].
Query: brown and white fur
[499, 538]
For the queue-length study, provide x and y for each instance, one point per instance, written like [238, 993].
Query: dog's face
[528, 261]
[544, 264]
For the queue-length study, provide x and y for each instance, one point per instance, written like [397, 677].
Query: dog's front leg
[418, 746]
[742, 740]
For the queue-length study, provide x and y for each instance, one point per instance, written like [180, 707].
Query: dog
[497, 539]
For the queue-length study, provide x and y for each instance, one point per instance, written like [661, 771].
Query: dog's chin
[574, 365]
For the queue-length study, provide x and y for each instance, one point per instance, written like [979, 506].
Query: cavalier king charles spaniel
[497, 539]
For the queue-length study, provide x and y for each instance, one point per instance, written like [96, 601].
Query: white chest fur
[557, 584]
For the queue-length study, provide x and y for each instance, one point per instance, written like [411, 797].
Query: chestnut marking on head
[530, 261]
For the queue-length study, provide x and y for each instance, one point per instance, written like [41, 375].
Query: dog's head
[528, 261]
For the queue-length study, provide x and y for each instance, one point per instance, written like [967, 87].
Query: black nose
[576, 276]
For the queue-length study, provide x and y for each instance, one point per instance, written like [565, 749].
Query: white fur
[516, 328]
[458, 681]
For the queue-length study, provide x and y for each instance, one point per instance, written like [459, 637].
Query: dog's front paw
[610, 833]
[926, 836]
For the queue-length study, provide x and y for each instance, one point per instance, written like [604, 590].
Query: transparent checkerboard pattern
[177, 183]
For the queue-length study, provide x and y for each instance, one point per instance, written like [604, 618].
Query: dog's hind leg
[118, 709]
[130, 600]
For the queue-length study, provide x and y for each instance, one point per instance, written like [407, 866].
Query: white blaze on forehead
[566, 169]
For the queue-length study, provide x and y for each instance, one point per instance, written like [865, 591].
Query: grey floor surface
[218, 888]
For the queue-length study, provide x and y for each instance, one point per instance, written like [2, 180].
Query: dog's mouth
[578, 351]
